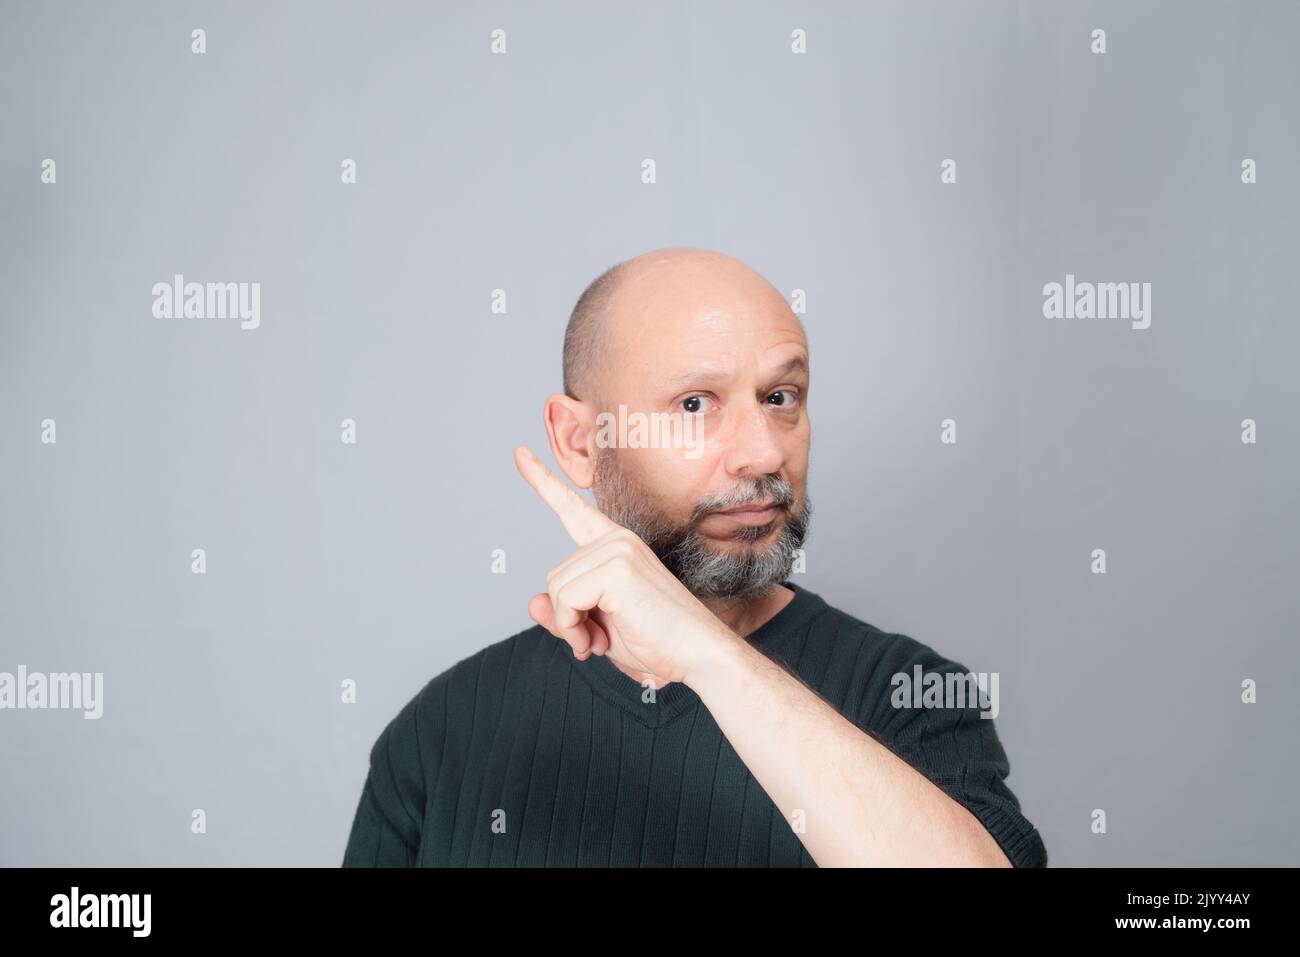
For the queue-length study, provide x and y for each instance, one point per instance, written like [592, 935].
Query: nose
[754, 450]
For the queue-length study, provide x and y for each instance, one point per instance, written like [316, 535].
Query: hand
[613, 596]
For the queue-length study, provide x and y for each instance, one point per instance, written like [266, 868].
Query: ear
[571, 427]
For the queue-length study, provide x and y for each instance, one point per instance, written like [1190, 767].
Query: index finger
[583, 523]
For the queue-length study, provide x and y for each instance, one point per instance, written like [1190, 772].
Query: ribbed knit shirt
[522, 756]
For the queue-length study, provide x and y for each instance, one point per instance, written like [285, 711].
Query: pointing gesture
[583, 523]
[613, 596]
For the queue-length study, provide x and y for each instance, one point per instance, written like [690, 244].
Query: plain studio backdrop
[525, 172]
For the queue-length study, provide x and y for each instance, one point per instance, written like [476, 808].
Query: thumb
[541, 611]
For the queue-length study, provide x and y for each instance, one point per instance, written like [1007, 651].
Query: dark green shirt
[521, 756]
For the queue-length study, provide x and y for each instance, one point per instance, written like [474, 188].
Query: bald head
[674, 277]
[586, 352]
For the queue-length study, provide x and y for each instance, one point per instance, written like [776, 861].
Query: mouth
[759, 513]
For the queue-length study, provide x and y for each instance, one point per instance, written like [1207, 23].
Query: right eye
[694, 399]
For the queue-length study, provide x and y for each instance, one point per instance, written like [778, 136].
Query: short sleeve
[386, 826]
[955, 746]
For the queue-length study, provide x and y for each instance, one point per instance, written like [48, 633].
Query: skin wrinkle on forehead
[722, 297]
[727, 362]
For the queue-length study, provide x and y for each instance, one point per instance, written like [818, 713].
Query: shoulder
[425, 715]
[880, 651]
[422, 741]
[895, 682]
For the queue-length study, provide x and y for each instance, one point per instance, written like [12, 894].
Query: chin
[737, 546]
[765, 536]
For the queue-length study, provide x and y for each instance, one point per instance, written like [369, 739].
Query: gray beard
[751, 573]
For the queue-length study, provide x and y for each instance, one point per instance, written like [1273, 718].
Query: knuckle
[619, 542]
[562, 602]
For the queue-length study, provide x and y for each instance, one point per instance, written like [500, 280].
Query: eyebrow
[796, 364]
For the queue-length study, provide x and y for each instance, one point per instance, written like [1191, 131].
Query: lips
[757, 507]
[751, 515]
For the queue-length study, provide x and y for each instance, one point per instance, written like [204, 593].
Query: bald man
[680, 701]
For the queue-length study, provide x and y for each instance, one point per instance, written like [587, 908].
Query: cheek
[675, 483]
[797, 470]
[797, 453]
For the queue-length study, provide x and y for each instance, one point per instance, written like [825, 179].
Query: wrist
[717, 651]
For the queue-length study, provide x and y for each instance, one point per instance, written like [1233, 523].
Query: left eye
[788, 392]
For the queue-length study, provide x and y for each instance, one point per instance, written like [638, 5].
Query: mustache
[758, 491]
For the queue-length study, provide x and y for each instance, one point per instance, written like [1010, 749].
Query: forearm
[861, 804]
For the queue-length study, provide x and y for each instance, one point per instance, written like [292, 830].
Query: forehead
[725, 323]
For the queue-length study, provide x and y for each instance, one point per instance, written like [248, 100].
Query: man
[699, 708]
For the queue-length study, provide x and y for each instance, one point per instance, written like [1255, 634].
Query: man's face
[727, 514]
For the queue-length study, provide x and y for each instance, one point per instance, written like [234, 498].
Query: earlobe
[570, 428]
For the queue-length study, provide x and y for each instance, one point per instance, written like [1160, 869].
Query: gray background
[476, 172]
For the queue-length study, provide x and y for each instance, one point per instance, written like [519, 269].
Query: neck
[746, 615]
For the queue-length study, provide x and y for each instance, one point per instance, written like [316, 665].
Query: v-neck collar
[676, 698]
